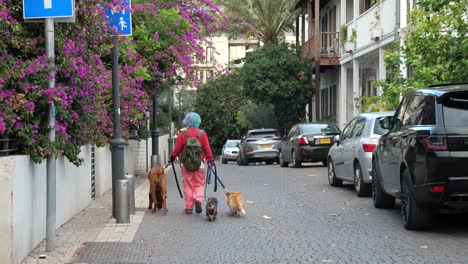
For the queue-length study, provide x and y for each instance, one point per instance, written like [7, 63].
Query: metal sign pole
[51, 173]
[117, 143]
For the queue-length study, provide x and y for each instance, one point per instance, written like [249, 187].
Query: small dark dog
[212, 208]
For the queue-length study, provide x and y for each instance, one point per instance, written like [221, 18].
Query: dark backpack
[191, 155]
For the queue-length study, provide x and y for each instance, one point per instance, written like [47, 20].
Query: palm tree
[265, 20]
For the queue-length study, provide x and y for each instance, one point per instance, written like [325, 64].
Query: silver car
[230, 150]
[259, 145]
[350, 158]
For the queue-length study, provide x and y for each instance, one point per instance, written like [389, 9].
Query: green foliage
[265, 20]
[329, 119]
[255, 115]
[218, 103]
[435, 50]
[343, 34]
[437, 45]
[275, 74]
[353, 36]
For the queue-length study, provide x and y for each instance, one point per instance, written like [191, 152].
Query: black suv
[422, 159]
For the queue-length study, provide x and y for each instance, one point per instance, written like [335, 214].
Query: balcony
[329, 48]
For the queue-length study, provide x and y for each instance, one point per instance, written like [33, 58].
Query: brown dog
[158, 189]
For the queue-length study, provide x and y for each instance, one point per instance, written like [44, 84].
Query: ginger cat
[235, 203]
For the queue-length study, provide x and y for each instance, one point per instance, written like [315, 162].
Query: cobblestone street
[311, 222]
[293, 216]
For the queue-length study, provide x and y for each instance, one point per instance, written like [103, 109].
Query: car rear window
[378, 130]
[264, 134]
[319, 128]
[455, 108]
[232, 144]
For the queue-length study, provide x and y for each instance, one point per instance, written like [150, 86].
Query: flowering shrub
[82, 95]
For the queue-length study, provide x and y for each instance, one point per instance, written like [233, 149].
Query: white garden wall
[23, 193]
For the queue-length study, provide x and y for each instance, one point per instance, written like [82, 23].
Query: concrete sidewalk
[94, 224]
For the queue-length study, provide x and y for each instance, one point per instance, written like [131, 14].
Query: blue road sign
[47, 8]
[120, 20]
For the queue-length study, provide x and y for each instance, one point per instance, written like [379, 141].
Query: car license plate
[324, 141]
[265, 146]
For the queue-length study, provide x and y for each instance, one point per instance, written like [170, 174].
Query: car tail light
[251, 140]
[303, 141]
[369, 146]
[435, 143]
[247, 149]
[437, 189]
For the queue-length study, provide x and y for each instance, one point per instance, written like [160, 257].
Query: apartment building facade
[348, 50]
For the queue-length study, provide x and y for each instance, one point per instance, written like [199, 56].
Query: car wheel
[223, 161]
[415, 216]
[332, 180]
[297, 163]
[281, 161]
[362, 189]
[324, 163]
[244, 162]
[380, 198]
[269, 162]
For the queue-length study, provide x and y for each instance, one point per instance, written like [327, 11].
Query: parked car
[307, 142]
[259, 145]
[422, 159]
[350, 158]
[230, 150]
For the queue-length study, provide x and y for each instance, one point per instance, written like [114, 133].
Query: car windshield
[378, 130]
[456, 110]
[319, 128]
[232, 144]
[263, 134]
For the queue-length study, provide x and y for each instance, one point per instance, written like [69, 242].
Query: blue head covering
[192, 119]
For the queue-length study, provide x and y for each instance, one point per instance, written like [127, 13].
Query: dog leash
[177, 181]
[217, 179]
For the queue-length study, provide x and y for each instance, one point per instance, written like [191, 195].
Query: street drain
[112, 252]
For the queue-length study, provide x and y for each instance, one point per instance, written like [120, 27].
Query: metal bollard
[122, 215]
[131, 193]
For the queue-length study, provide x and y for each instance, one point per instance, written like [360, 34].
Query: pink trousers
[194, 186]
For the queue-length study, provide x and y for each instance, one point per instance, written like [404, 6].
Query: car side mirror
[386, 122]
[337, 139]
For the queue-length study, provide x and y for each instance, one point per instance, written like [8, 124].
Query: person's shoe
[188, 211]
[198, 208]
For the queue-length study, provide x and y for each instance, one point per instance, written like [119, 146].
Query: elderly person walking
[194, 179]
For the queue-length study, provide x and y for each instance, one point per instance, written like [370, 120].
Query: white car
[230, 150]
[350, 158]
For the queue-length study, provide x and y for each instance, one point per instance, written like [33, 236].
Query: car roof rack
[446, 84]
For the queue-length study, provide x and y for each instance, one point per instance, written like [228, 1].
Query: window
[319, 129]
[378, 130]
[347, 132]
[333, 100]
[209, 54]
[425, 112]
[397, 122]
[359, 127]
[455, 109]
[364, 5]
[411, 109]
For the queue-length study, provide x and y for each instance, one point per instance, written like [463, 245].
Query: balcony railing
[329, 46]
